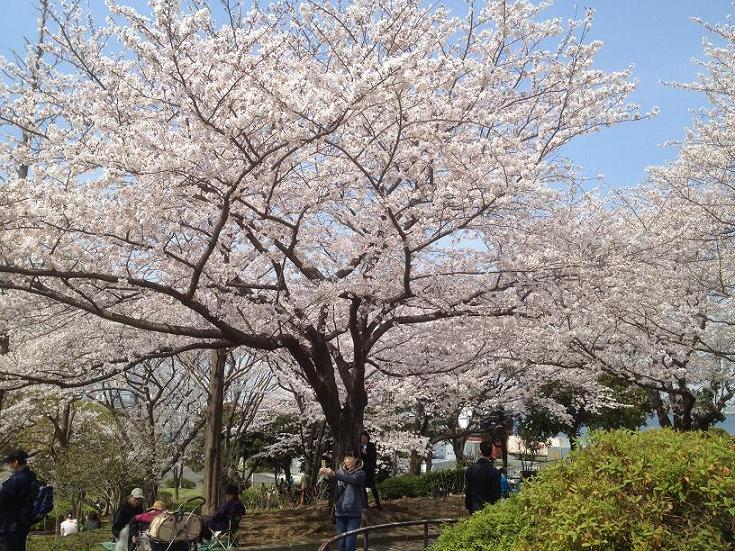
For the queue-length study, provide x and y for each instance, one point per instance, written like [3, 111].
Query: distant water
[728, 424]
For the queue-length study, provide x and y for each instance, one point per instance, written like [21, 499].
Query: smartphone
[324, 463]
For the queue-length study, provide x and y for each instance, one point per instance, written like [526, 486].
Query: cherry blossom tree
[331, 180]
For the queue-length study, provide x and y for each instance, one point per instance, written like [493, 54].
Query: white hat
[137, 493]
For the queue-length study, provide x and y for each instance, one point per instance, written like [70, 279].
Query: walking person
[16, 502]
[482, 481]
[369, 456]
[349, 496]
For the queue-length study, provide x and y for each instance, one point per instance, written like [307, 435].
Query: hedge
[627, 490]
[425, 485]
[183, 483]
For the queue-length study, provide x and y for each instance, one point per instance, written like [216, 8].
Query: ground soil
[312, 523]
[286, 526]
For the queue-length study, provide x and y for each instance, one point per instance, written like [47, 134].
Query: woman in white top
[69, 526]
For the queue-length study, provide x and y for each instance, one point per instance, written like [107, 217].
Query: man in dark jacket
[482, 481]
[16, 502]
[369, 456]
[132, 506]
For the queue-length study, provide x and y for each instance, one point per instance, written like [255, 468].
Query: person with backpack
[17, 497]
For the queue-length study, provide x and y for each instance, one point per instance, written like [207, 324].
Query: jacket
[482, 485]
[350, 488]
[124, 515]
[16, 501]
[229, 510]
[369, 456]
[140, 522]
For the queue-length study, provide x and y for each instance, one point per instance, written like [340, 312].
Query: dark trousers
[347, 524]
[14, 541]
[370, 483]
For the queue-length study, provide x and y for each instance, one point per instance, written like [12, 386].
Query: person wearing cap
[132, 506]
[142, 521]
[16, 502]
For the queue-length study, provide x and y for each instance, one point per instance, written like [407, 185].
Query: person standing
[16, 502]
[504, 484]
[132, 506]
[482, 481]
[348, 497]
[369, 456]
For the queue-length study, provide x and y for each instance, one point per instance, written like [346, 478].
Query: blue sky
[656, 36]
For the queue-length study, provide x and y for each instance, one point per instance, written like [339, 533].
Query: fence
[365, 532]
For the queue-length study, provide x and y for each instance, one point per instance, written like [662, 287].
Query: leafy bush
[166, 497]
[263, 498]
[185, 483]
[627, 490]
[425, 485]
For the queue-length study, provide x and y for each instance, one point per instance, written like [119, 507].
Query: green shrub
[627, 490]
[166, 497]
[184, 483]
[425, 485]
[496, 528]
[263, 498]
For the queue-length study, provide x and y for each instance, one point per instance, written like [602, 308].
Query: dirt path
[312, 523]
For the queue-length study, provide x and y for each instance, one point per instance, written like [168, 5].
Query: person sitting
[139, 523]
[93, 522]
[69, 526]
[231, 510]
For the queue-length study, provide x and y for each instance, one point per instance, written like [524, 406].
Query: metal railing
[326, 546]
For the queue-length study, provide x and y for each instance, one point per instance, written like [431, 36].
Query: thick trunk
[150, 489]
[212, 433]
[347, 432]
[684, 404]
[458, 447]
[429, 457]
[414, 466]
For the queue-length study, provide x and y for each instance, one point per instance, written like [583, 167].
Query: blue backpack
[43, 500]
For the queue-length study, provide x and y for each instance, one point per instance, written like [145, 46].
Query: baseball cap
[137, 493]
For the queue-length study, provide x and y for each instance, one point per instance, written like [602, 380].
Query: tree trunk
[684, 404]
[458, 447]
[429, 457]
[414, 466]
[178, 474]
[212, 437]
[347, 433]
[661, 411]
[150, 489]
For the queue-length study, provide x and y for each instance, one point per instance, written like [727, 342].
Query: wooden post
[212, 433]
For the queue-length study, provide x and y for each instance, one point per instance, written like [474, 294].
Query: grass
[86, 541]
